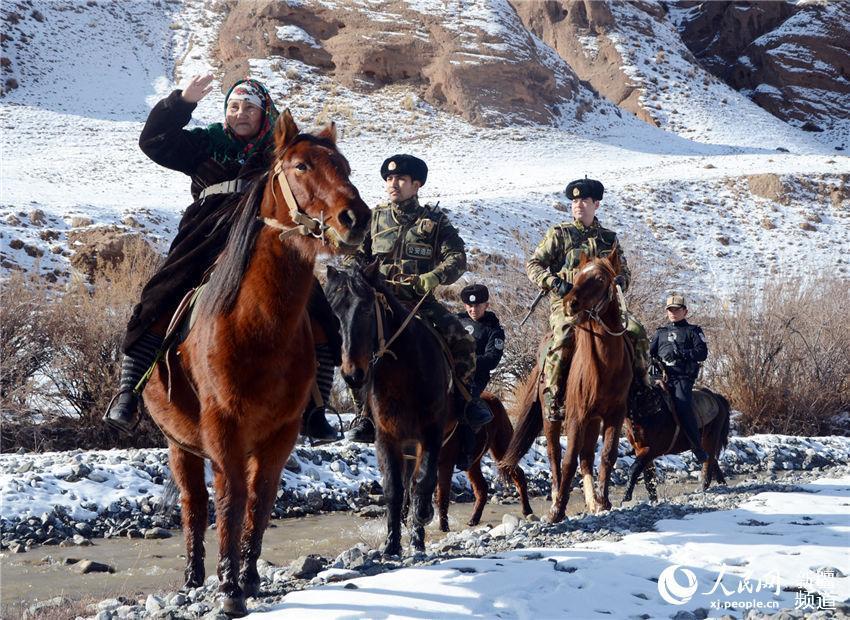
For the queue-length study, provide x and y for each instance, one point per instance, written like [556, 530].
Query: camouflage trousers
[556, 363]
[460, 343]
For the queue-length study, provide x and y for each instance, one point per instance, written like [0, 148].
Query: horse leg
[552, 430]
[426, 481]
[559, 507]
[522, 488]
[264, 467]
[610, 448]
[649, 482]
[480, 489]
[230, 498]
[188, 472]
[718, 473]
[637, 468]
[585, 459]
[389, 458]
[444, 488]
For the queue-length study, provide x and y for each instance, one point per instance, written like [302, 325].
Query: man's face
[401, 187]
[476, 311]
[584, 209]
[677, 313]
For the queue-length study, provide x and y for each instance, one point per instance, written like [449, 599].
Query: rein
[305, 225]
[593, 313]
[384, 346]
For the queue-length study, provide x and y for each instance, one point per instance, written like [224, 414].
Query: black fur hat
[474, 294]
[405, 165]
[585, 188]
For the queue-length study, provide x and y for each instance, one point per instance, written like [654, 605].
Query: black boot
[122, 411]
[315, 425]
[362, 428]
[476, 413]
[466, 446]
[691, 430]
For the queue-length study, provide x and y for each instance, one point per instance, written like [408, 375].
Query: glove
[670, 359]
[561, 287]
[620, 281]
[426, 283]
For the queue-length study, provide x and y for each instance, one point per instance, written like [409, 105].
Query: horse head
[593, 284]
[352, 296]
[312, 192]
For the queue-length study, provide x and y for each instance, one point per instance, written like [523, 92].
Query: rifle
[534, 303]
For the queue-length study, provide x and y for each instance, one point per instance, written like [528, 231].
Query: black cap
[402, 164]
[585, 188]
[474, 294]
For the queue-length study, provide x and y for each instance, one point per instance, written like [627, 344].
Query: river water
[148, 566]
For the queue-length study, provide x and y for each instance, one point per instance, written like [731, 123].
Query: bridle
[305, 224]
[599, 306]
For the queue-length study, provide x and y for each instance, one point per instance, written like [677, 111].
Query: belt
[236, 186]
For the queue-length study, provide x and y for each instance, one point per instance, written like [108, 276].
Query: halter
[305, 225]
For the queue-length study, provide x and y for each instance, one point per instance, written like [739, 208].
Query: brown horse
[235, 391]
[596, 391]
[400, 368]
[656, 433]
[495, 437]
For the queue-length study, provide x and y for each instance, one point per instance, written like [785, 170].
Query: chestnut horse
[596, 392]
[495, 437]
[236, 389]
[653, 431]
[398, 364]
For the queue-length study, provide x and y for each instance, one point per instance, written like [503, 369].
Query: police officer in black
[484, 327]
[680, 347]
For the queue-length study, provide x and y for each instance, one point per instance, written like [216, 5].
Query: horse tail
[528, 426]
[727, 417]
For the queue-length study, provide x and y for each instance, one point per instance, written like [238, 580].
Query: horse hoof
[251, 589]
[554, 517]
[473, 521]
[391, 551]
[234, 607]
[444, 526]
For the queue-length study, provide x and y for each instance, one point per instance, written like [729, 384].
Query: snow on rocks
[70, 498]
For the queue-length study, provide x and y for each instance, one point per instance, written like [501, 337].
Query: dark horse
[237, 387]
[406, 383]
[596, 391]
[495, 437]
[658, 434]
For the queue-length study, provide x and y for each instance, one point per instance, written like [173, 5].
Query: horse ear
[371, 270]
[285, 129]
[614, 258]
[329, 132]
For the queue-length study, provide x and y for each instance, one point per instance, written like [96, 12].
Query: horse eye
[301, 167]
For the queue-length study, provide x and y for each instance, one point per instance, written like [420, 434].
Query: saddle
[647, 404]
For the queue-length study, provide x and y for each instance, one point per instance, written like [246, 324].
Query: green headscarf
[226, 147]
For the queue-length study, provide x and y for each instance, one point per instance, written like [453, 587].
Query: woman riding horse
[222, 160]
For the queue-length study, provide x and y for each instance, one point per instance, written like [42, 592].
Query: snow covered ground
[70, 153]
[776, 550]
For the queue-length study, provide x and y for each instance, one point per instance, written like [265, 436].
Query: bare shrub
[25, 346]
[782, 357]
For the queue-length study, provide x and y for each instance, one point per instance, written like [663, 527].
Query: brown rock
[768, 186]
[95, 248]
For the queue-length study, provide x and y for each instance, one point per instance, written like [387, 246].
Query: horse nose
[348, 218]
[354, 379]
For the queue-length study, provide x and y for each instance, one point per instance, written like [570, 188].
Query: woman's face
[243, 118]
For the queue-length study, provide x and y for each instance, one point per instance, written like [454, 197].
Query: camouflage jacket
[559, 252]
[412, 239]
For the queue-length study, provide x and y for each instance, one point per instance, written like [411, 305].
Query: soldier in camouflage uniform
[553, 266]
[419, 250]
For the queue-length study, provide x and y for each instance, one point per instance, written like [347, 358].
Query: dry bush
[25, 346]
[782, 357]
[83, 328]
[651, 282]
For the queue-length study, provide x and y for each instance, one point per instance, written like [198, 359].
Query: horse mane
[223, 285]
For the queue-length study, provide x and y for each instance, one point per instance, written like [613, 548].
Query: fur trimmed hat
[585, 188]
[402, 165]
[474, 294]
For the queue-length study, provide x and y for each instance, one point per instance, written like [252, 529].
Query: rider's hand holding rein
[199, 87]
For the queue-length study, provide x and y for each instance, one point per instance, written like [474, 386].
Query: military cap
[585, 188]
[405, 165]
[474, 294]
[675, 301]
